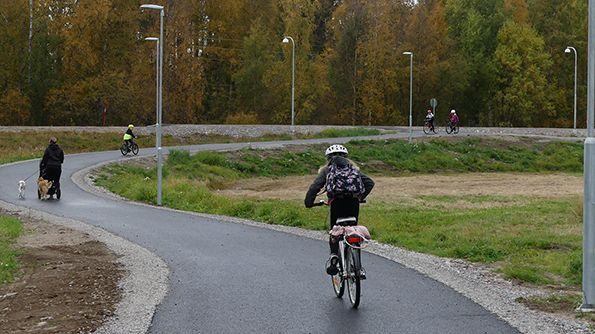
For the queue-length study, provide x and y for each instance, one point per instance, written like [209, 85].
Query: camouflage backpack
[344, 180]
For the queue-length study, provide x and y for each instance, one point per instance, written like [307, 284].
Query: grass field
[10, 229]
[532, 239]
[31, 144]
[399, 158]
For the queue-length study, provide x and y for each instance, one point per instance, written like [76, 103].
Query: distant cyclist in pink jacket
[453, 118]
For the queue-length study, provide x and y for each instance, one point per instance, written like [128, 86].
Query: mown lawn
[10, 229]
[531, 239]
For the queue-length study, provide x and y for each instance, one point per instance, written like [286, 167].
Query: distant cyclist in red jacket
[453, 118]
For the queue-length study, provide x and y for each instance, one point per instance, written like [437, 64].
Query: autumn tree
[349, 27]
[474, 25]
[383, 84]
[14, 104]
[440, 71]
[522, 96]
[562, 24]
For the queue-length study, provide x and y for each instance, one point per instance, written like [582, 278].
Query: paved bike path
[234, 278]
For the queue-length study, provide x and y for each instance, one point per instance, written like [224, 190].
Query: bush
[242, 118]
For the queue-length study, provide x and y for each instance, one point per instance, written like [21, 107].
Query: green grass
[566, 303]
[10, 229]
[531, 240]
[31, 144]
[397, 157]
[349, 132]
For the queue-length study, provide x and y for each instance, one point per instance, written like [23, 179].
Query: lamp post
[156, 40]
[286, 40]
[588, 285]
[409, 53]
[159, 100]
[570, 49]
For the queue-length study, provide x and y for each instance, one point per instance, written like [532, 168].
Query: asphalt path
[234, 278]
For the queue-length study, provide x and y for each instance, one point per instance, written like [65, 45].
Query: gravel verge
[250, 131]
[184, 130]
[476, 282]
[144, 272]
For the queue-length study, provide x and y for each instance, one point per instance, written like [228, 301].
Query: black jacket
[53, 156]
[129, 131]
[320, 182]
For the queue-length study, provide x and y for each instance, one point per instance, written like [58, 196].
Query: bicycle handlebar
[322, 203]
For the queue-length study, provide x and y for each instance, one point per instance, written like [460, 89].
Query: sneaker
[331, 265]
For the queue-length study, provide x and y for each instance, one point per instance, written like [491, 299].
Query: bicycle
[126, 148]
[428, 127]
[452, 129]
[350, 271]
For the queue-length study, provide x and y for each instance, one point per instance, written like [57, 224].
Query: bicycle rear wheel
[353, 279]
[124, 149]
[427, 128]
[338, 281]
[134, 148]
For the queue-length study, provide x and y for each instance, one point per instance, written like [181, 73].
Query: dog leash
[30, 176]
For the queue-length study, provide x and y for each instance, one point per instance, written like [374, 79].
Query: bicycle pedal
[362, 274]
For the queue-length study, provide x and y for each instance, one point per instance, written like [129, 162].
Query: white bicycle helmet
[452, 111]
[333, 149]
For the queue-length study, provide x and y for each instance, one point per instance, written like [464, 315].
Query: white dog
[22, 186]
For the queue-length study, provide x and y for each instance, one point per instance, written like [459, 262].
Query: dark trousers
[53, 173]
[341, 208]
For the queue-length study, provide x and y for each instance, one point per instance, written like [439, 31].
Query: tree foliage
[498, 62]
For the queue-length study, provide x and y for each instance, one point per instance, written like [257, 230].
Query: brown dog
[43, 188]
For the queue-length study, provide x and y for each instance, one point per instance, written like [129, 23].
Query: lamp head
[150, 6]
[567, 50]
[285, 40]
[151, 39]
[407, 53]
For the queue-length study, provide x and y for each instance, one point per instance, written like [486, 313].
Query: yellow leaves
[14, 108]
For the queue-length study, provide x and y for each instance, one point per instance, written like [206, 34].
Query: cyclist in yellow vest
[128, 136]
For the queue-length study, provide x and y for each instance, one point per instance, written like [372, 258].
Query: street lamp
[570, 49]
[286, 40]
[159, 100]
[409, 53]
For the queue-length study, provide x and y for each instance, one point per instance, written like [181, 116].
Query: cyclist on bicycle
[430, 119]
[128, 136]
[453, 118]
[343, 205]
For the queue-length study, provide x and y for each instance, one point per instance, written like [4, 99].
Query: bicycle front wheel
[427, 128]
[338, 281]
[134, 148]
[456, 129]
[449, 128]
[353, 280]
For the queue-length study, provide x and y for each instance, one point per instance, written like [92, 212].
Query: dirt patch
[67, 282]
[390, 189]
